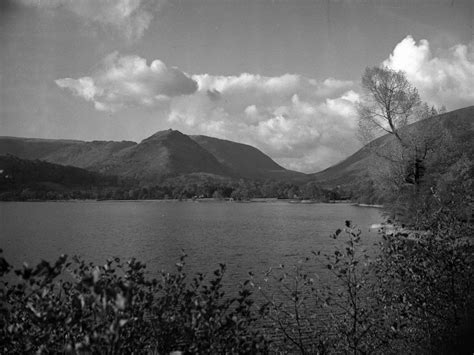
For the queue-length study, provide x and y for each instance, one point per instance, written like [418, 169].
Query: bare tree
[390, 102]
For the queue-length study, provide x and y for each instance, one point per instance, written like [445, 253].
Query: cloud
[129, 17]
[302, 123]
[123, 81]
[445, 79]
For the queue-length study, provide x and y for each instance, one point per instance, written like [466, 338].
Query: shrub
[329, 302]
[115, 308]
[414, 294]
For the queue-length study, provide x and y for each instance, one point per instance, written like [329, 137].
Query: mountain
[459, 123]
[164, 154]
[244, 160]
[171, 153]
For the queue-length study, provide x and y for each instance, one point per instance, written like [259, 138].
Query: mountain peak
[166, 134]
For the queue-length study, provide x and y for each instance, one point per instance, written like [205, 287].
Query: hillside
[459, 123]
[31, 179]
[164, 154]
[64, 152]
[244, 160]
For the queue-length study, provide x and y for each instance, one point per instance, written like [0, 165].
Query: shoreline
[367, 205]
[205, 200]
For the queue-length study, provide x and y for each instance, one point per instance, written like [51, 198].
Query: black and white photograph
[237, 177]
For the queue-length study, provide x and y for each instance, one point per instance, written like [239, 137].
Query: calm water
[244, 236]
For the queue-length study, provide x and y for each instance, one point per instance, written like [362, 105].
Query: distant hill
[65, 152]
[460, 124]
[16, 173]
[164, 154]
[244, 160]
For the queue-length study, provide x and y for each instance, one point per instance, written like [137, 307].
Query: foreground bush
[427, 281]
[114, 308]
[327, 303]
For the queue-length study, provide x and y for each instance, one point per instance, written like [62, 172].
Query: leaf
[120, 301]
[95, 275]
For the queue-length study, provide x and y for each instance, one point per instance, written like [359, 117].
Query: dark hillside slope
[88, 155]
[164, 154]
[64, 152]
[459, 123]
[33, 148]
[16, 172]
[244, 160]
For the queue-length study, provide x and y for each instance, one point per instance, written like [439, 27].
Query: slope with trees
[22, 179]
[353, 172]
[412, 170]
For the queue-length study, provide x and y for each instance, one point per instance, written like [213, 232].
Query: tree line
[24, 180]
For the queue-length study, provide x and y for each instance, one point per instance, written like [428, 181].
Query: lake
[244, 236]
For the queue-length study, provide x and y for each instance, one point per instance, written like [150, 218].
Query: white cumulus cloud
[302, 123]
[130, 17]
[123, 81]
[446, 78]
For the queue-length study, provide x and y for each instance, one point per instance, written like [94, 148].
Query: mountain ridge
[164, 154]
[171, 153]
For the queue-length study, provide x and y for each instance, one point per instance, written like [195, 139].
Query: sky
[281, 75]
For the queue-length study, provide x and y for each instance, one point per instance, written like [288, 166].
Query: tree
[390, 103]
[403, 165]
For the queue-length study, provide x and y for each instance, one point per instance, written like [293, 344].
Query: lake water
[244, 236]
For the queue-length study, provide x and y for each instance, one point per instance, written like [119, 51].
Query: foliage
[76, 307]
[424, 178]
[22, 180]
[289, 296]
[426, 279]
[415, 295]
[329, 303]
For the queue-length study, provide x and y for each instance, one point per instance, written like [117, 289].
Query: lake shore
[367, 205]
